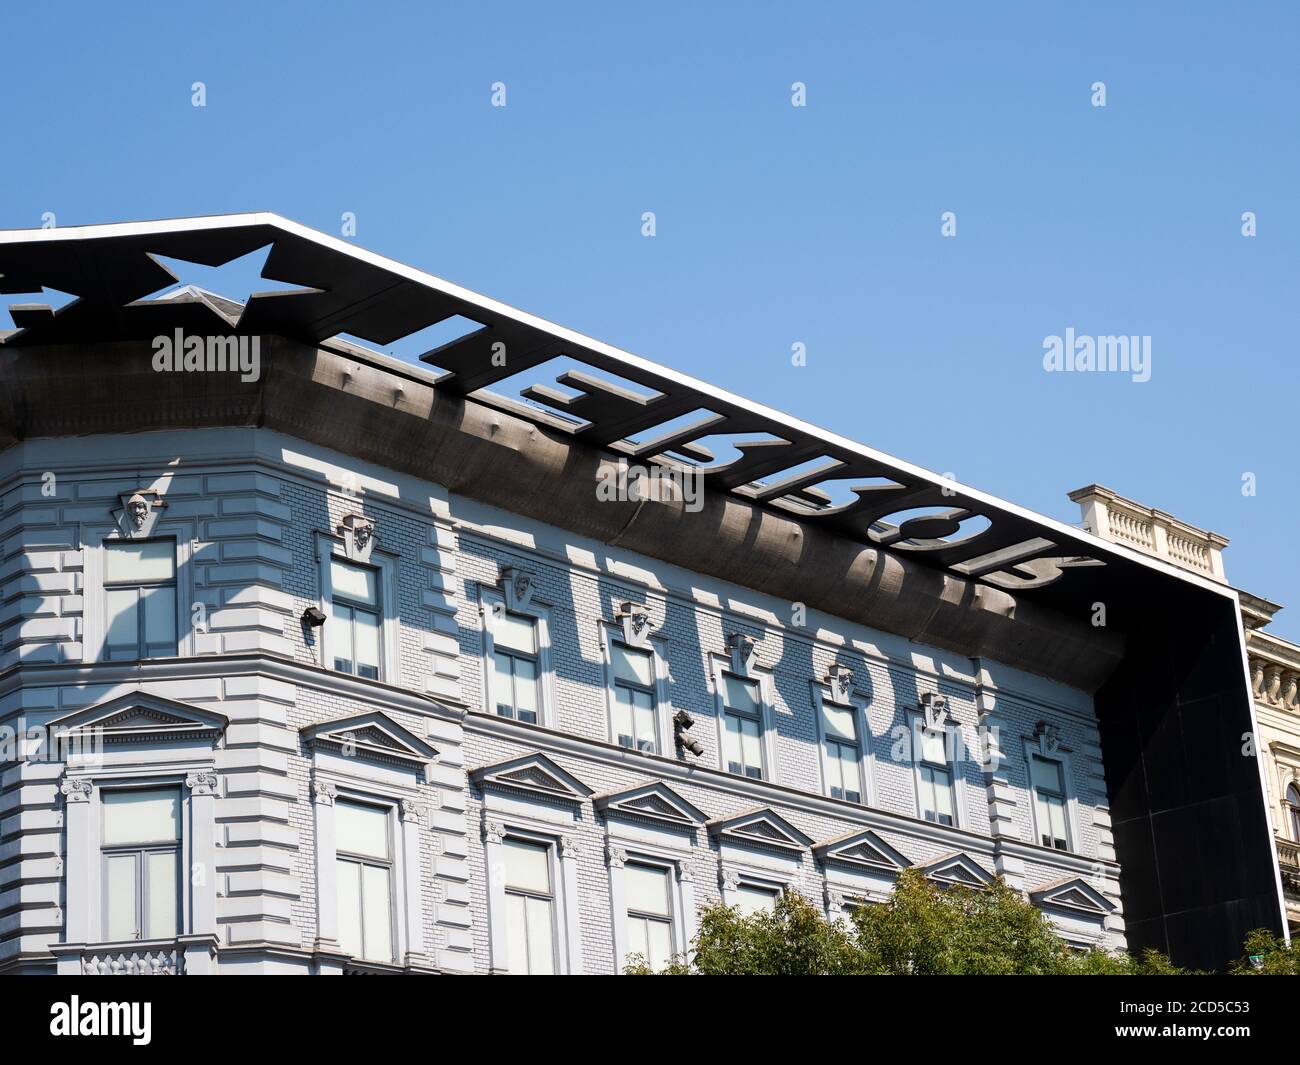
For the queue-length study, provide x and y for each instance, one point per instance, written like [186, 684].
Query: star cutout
[232, 283]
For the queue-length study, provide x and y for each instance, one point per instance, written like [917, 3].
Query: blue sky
[775, 224]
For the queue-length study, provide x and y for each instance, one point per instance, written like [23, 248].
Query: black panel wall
[1191, 831]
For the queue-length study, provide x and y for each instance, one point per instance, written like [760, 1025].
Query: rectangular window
[365, 880]
[649, 913]
[1048, 779]
[754, 898]
[842, 754]
[516, 681]
[936, 778]
[530, 908]
[142, 874]
[742, 720]
[140, 598]
[357, 617]
[634, 698]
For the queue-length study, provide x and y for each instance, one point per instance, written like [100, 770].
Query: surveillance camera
[313, 616]
[691, 745]
[683, 720]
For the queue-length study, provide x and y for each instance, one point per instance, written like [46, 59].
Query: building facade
[325, 663]
[1274, 662]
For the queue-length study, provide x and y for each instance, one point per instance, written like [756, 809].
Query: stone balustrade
[1288, 859]
[165, 961]
[1275, 683]
[182, 956]
[1153, 532]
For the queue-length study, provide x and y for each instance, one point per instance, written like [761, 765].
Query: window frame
[669, 920]
[514, 657]
[86, 868]
[142, 645]
[384, 564]
[501, 822]
[622, 851]
[1292, 806]
[397, 777]
[406, 817]
[724, 667]
[1040, 796]
[394, 843]
[734, 877]
[95, 602]
[1038, 747]
[139, 851]
[341, 600]
[550, 897]
[957, 789]
[823, 696]
[178, 752]
[492, 603]
[612, 635]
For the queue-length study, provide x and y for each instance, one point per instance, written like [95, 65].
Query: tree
[793, 940]
[1274, 956]
[920, 930]
[927, 930]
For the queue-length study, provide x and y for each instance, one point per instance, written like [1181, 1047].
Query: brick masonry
[249, 530]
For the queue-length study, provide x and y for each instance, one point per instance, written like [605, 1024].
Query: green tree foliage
[1272, 956]
[923, 930]
[793, 940]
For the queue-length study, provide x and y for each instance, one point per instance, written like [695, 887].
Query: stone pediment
[139, 717]
[862, 848]
[374, 736]
[958, 869]
[1074, 893]
[763, 828]
[654, 801]
[534, 773]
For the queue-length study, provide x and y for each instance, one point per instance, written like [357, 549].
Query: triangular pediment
[654, 801]
[139, 717]
[372, 735]
[1074, 893]
[864, 848]
[762, 827]
[958, 869]
[535, 773]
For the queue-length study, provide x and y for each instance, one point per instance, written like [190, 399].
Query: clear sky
[774, 224]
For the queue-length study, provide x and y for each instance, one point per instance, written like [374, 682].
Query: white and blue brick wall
[255, 568]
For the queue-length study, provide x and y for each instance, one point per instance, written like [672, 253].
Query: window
[634, 698]
[935, 778]
[356, 609]
[841, 751]
[515, 662]
[1293, 802]
[755, 898]
[649, 913]
[140, 598]
[530, 908]
[365, 880]
[142, 867]
[742, 719]
[1048, 780]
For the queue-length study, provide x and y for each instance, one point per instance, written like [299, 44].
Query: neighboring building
[331, 663]
[1274, 662]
